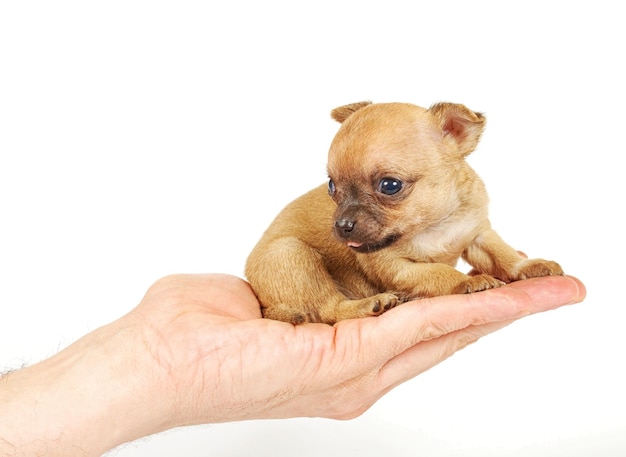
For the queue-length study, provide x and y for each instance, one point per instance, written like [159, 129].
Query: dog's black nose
[344, 226]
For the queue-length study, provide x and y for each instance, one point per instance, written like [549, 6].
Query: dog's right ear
[343, 112]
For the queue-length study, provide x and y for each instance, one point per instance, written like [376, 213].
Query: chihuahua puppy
[400, 208]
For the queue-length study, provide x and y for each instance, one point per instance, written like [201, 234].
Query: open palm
[226, 363]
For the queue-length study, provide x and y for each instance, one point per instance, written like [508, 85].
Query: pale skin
[196, 350]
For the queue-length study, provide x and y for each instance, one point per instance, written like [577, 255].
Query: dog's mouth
[373, 247]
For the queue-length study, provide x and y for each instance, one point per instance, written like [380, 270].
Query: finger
[401, 368]
[405, 326]
[220, 294]
[427, 354]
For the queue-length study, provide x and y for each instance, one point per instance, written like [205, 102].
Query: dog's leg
[425, 279]
[287, 276]
[489, 254]
[293, 285]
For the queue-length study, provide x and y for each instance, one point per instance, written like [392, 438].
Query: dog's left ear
[462, 124]
[343, 112]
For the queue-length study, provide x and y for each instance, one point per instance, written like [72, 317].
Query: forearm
[69, 405]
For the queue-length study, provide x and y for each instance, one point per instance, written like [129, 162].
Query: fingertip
[580, 289]
[552, 291]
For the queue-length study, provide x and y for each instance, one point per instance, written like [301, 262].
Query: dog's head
[398, 169]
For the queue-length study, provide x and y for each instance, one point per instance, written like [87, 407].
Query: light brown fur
[364, 251]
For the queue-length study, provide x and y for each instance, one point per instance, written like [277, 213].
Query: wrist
[70, 403]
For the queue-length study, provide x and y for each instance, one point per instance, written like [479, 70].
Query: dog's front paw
[364, 307]
[535, 268]
[477, 283]
[300, 318]
[381, 303]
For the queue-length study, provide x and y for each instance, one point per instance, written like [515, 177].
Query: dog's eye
[331, 188]
[389, 186]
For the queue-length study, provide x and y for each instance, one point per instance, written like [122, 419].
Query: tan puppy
[404, 206]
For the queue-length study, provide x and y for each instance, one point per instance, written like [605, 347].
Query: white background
[139, 139]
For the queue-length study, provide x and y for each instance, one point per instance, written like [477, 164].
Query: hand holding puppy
[404, 207]
[196, 351]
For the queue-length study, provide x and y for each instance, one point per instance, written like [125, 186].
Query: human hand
[196, 350]
[230, 365]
